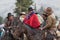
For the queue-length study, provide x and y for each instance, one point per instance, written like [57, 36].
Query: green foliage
[22, 5]
[1, 20]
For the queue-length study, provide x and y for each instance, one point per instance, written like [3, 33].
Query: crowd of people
[46, 21]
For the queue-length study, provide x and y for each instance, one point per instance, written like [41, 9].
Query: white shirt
[21, 19]
[40, 18]
[2, 25]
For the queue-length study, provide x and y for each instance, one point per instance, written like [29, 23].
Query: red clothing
[32, 21]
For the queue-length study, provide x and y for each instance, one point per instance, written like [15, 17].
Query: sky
[54, 4]
[9, 6]
[6, 6]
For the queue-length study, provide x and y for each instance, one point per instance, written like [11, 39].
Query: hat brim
[48, 11]
[22, 14]
[9, 16]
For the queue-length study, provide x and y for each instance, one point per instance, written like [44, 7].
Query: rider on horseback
[32, 19]
[50, 22]
[22, 16]
[10, 18]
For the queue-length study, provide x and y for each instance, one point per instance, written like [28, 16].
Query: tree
[22, 5]
[1, 20]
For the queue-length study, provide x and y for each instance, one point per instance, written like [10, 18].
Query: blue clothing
[29, 15]
[0, 33]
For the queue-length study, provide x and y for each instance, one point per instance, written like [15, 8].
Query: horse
[36, 34]
[13, 32]
[19, 29]
[7, 35]
[31, 34]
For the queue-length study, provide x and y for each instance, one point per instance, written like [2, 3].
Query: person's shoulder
[35, 14]
[49, 16]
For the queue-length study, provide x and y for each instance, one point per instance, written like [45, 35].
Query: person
[10, 18]
[40, 18]
[9, 14]
[50, 24]
[31, 19]
[22, 16]
[44, 18]
[50, 19]
[57, 21]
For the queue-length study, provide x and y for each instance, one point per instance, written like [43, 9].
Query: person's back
[32, 19]
[50, 22]
[7, 21]
[53, 22]
[40, 18]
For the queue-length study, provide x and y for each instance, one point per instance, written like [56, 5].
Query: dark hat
[49, 10]
[30, 9]
[8, 15]
[36, 13]
[44, 14]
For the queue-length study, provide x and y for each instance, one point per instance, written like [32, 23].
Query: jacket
[32, 21]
